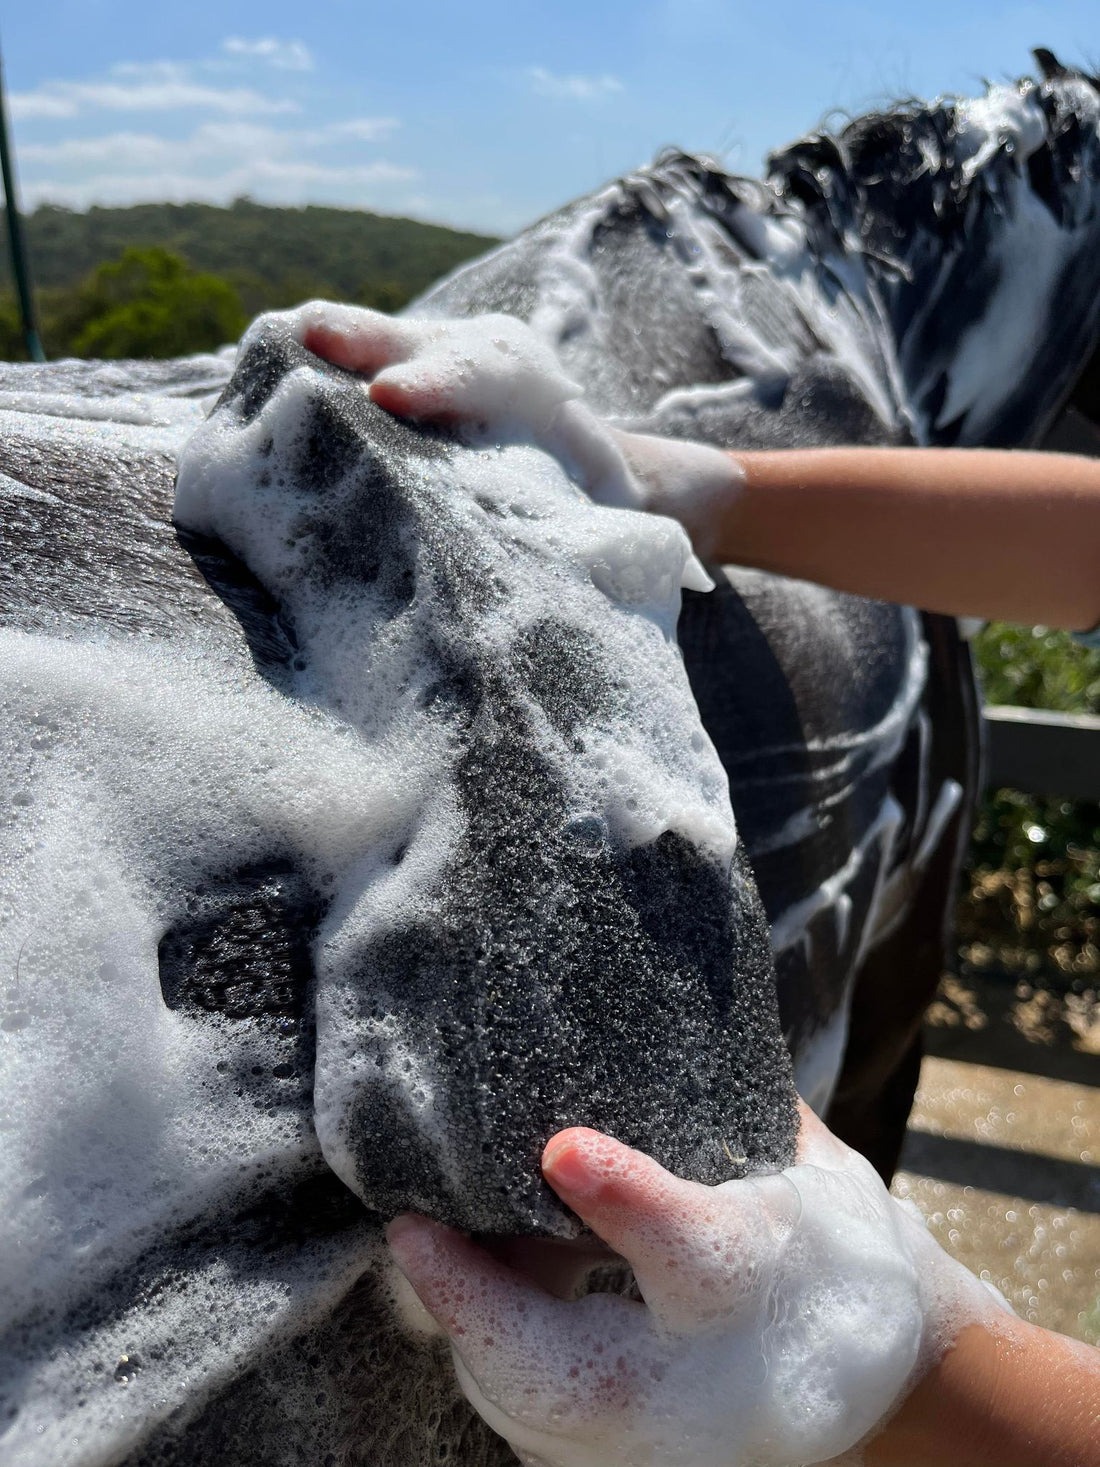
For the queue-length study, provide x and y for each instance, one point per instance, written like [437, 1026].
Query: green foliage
[1034, 667]
[1032, 904]
[1032, 899]
[149, 303]
[11, 331]
[272, 257]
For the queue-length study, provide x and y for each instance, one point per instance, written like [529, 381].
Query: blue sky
[478, 114]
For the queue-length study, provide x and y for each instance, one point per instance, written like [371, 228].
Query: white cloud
[61, 99]
[237, 140]
[121, 152]
[120, 149]
[153, 71]
[285, 55]
[572, 88]
[42, 103]
[363, 129]
[274, 181]
[215, 163]
[298, 171]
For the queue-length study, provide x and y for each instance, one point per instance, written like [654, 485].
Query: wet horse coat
[221, 973]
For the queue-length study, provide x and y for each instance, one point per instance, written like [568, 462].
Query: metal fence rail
[1043, 753]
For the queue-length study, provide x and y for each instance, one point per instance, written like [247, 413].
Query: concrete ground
[1003, 1151]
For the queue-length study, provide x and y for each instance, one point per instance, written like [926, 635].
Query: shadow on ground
[1003, 1146]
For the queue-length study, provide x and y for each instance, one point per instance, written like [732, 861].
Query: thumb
[699, 1253]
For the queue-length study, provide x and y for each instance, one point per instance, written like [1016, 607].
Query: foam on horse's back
[549, 924]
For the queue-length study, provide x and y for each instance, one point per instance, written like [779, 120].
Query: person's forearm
[972, 532]
[1018, 1396]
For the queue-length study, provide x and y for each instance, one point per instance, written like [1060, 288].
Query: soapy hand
[486, 376]
[783, 1316]
[492, 374]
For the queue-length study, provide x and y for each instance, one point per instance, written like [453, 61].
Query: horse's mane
[917, 161]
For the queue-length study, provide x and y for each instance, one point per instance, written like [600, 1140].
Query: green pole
[15, 237]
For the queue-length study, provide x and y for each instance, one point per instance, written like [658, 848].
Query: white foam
[615, 573]
[132, 772]
[847, 325]
[876, 841]
[135, 772]
[640, 768]
[896, 893]
[1031, 252]
[128, 769]
[70, 428]
[1005, 119]
[820, 1057]
[785, 1317]
[137, 409]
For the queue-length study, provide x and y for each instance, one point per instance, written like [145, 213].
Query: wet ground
[1003, 1150]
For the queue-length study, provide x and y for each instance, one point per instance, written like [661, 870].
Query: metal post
[15, 236]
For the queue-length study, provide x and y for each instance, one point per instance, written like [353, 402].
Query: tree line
[159, 280]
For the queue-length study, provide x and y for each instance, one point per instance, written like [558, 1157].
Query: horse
[376, 816]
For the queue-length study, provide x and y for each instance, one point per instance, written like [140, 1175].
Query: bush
[1031, 900]
[150, 303]
[147, 303]
[1037, 668]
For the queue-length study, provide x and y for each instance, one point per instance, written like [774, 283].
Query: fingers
[349, 336]
[738, 1327]
[489, 373]
[616, 1190]
[382, 348]
[523, 1355]
[699, 1253]
[409, 392]
[453, 1277]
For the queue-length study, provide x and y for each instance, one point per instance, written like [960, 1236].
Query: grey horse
[335, 879]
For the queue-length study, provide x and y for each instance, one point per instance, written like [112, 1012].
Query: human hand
[493, 375]
[784, 1315]
[485, 376]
